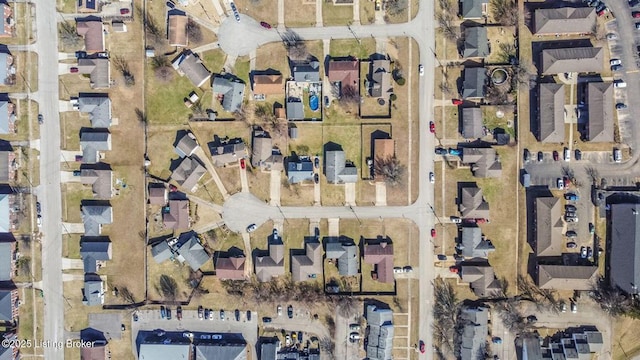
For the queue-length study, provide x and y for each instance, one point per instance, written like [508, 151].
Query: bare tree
[389, 168]
[153, 31]
[611, 300]
[506, 11]
[524, 73]
[496, 95]
[68, 34]
[126, 295]
[164, 74]
[507, 52]
[350, 95]
[445, 309]
[295, 46]
[123, 67]
[194, 32]
[168, 287]
[593, 174]
[328, 346]
[396, 7]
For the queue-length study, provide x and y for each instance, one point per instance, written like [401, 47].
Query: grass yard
[76, 314]
[299, 13]
[405, 15]
[309, 141]
[625, 331]
[492, 121]
[446, 116]
[165, 102]
[272, 56]
[498, 36]
[26, 116]
[213, 60]
[26, 65]
[66, 6]
[28, 307]
[446, 50]
[331, 194]
[351, 47]
[259, 183]
[72, 196]
[230, 176]
[172, 268]
[296, 194]
[71, 246]
[451, 74]
[23, 33]
[241, 70]
[347, 137]
[260, 10]
[367, 12]
[161, 141]
[336, 14]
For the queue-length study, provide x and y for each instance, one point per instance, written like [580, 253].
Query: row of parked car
[165, 313]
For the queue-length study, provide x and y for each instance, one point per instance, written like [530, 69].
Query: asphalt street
[48, 192]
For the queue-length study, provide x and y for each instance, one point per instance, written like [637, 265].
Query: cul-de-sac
[319, 179]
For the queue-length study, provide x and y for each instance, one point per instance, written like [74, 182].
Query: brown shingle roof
[345, 71]
[561, 277]
[473, 204]
[600, 103]
[565, 20]
[381, 255]
[157, 194]
[230, 268]
[551, 107]
[268, 84]
[94, 352]
[177, 30]
[577, 59]
[548, 237]
[92, 33]
[178, 215]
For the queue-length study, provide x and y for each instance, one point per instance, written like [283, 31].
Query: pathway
[243, 179]
[319, 13]
[334, 226]
[212, 170]
[281, 15]
[356, 12]
[248, 266]
[217, 208]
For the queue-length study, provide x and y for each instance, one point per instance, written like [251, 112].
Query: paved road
[49, 193]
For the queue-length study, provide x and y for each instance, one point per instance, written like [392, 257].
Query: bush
[393, 97]
[401, 81]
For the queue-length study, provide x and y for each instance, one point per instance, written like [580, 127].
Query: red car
[456, 101]
[124, 11]
[433, 233]
[432, 127]
[242, 164]
[73, 70]
[265, 25]
[421, 347]
[555, 155]
[636, 14]
[567, 182]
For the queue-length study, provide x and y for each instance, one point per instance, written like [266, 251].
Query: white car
[560, 183]
[432, 178]
[619, 84]
[455, 219]
[397, 270]
[421, 70]
[615, 62]
[567, 154]
[39, 220]
[617, 155]
[574, 307]
[251, 228]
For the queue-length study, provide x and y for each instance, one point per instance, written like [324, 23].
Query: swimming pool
[313, 102]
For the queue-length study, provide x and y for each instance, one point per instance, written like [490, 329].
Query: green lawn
[348, 137]
[73, 194]
[214, 60]
[351, 47]
[66, 6]
[165, 102]
[309, 141]
[242, 68]
[367, 12]
[336, 14]
[71, 246]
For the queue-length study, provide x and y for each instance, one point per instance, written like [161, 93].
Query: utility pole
[353, 33]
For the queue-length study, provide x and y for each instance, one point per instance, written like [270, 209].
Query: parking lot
[151, 320]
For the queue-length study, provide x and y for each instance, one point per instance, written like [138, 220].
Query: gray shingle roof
[4, 66]
[625, 247]
[232, 92]
[474, 83]
[263, 154]
[565, 20]
[92, 251]
[192, 251]
[98, 107]
[228, 152]
[100, 179]
[6, 305]
[168, 351]
[472, 203]
[186, 145]
[475, 42]
[551, 108]
[161, 252]
[306, 71]
[473, 243]
[309, 264]
[346, 253]
[6, 118]
[480, 276]
[188, 172]
[92, 142]
[484, 161]
[190, 65]
[577, 59]
[98, 71]
[472, 123]
[6, 260]
[474, 332]
[225, 351]
[380, 78]
[600, 119]
[93, 292]
[561, 277]
[548, 231]
[5, 220]
[337, 170]
[381, 330]
[295, 109]
[473, 9]
[94, 216]
[300, 171]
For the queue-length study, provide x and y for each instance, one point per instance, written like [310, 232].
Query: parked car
[592, 229]
[571, 197]
[300, 336]
[40, 119]
[617, 155]
[221, 314]
[442, 257]
[567, 181]
[570, 207]
[163, 312]
[279, 310]
[316, 162]
[354, 336]
[432, 127]
[243, 165]
[574, 307]
[433, 233]
[571, 219]
[455, 152]
[496, 340]
[421, 70]
[73, 70]
[560, 184]
[615, 62]
[455, 219]
[441, 151]
[566, 154]
[265, 25]
[555, 155]
[620, 83]
[457, 101]
[636, 14]
[422, 347]
[583, 252]
[200, 312]
[589, 252]
[77, 172]
[612, 36]
[290, 311]
[563, 307]
[616, 67]
[266, 320]
[179, 313]
[621, 106]
[316, 178]
[38, 207]
[540, 156]
[532, 318]
[81, 54]
[236, 314]
[397, 270]
[526, 155]
[571, 234]
[168, 313]
[210, 317]
[251, 228]
[432, 177]
[248, 315]
[407, 269]
[571, 245]
[578, 154]
[124, 11]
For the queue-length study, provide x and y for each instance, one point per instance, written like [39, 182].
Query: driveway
[243, 179]
[274, 188]
[350, 194]
[381, 194]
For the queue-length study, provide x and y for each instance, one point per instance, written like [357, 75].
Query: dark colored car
[433, 233]
[555, 156]
[540, 156]
[571, 208]
[621, 106]
[163, 312]
[527, 155]
[571, 245]
[290, 312]
[316, 178]
[168, 314]
[578, 154]
[200, 312]
[265, 25]
[73, 70]
[571, 234]
[300, 336]
[442, 257]
[40, 119]
[316, 162]
[248, 315]
[179, 313]
[221, 314]
[532, 318]
[266, 320]
[441, 151]
[124, 11]
[81, 54]
[616, 67]
[38, 207]
[237, 314]
[422, 347]
[206, 313]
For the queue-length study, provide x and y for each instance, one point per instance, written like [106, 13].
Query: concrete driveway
[350, 194]
[381, 194]
[274, 188]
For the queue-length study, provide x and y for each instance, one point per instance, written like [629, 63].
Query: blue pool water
[313, 102]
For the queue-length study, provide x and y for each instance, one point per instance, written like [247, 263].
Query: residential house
[480, 276]
[189, 249]
[548, 227]
[299, 170]
[267, 84]
[263, 154]
[600, 112]
[566, 277]
[7, 223]
[98, 106]
[188, 172]
[564, 20]
[229, 91]
[307, 265]
[624, 271]
[472, 123]
[100, 177]
[379, 345]
[575, 59]
[475, 330]
[189, 64]
[98, 71]
[476, 44]
[177, 28]
[160, 347]
[474, 9]
[186, 145]
[97, 351]
[271, 264]
[295, 109]
[177, 218]
[8, 306]
[158, 194]
[92, 143]
[230, 267]
[269, 348]
[472, 203]
[11, 352]
[474, 83]
[7, 69]
[7, 20]
[226, 152]
[379, 253]
[345, 72]
[89, 6]
[236, 350]
[345, 252]
[306, 71]
[94, 251]
[94, 215]
[93, 33]
[338, 170]
[7, 171]
[383, 149]
[379, 82]
[7, 257]
[551, 113]
[484, 162]
[162, 251]
[93, 291]
[473, 244]
[7, 117]
[572, 343]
